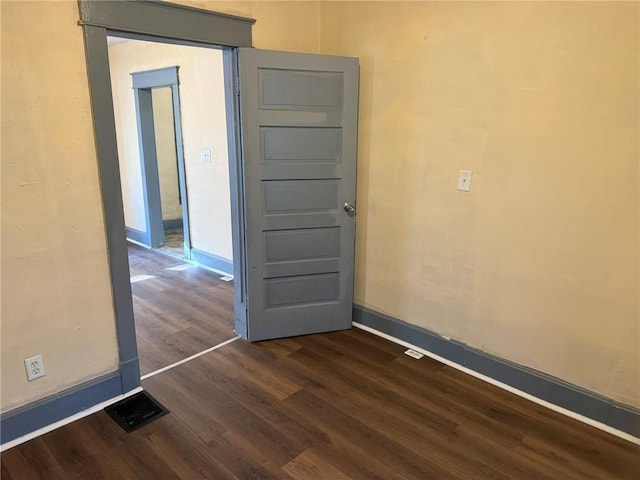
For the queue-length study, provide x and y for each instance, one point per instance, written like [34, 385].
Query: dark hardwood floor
[343, 405]
[177, 313]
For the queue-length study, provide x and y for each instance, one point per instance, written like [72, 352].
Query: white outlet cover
[464, 180]
[34, 367]
[412, 353]
[206, 155]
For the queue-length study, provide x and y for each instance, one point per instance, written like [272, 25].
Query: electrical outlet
[412, 353]
[35, 367]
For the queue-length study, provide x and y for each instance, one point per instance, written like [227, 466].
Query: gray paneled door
[299, 139]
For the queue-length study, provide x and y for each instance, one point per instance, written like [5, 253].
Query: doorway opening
[171, 178]
[171, 130]
[161, 152]
[174, 24]
[292, 140]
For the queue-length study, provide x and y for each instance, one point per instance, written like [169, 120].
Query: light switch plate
[464, 180]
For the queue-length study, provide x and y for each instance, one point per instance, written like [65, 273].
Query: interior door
[299, 142]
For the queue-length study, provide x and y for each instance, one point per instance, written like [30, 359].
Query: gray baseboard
[220, 264]
[29, 418]
[545, 387]
[138, 236]
[172, 224]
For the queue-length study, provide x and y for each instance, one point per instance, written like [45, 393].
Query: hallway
[179, 308]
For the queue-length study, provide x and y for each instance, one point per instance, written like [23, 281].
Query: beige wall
[128, 148]
[280, 25]
[203, 126]
[164, 129]
[292, 26]
[539, 262]
[56, 293]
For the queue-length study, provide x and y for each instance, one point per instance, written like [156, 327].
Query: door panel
[299, 134]
[301, 145]
[301, 90]
[293, 196]
[302, 244]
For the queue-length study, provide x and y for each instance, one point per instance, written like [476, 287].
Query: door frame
[176, 24]
[143, 84]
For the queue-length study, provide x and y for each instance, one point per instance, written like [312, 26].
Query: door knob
[349, 207]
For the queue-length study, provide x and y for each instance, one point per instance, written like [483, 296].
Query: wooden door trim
[142, 82]
[169, 23]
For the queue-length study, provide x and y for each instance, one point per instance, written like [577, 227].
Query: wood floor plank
[347, 425]
[246, 390]
[270, 380]
[241, 386]
[104, 464]
[177, 313]
[32, 461]
[551, 428]
[340, 405]
[186, 459]
[129, 452]
[414, 426]
[254, 449]
[196, 414]
[442, 401]
[133, 451]
[487, 411]
[350, 458]
[310, 466]
[4, 472]
[243, 421]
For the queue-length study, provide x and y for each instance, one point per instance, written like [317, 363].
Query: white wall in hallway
[203, 127]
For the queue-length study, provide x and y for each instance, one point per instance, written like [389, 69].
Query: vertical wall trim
[174, 24]
[236, 176]
[182, 174]
[109, 173]
[149, 165]
[143, 83]
[134, 17]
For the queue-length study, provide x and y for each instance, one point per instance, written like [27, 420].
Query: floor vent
[136, 411]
